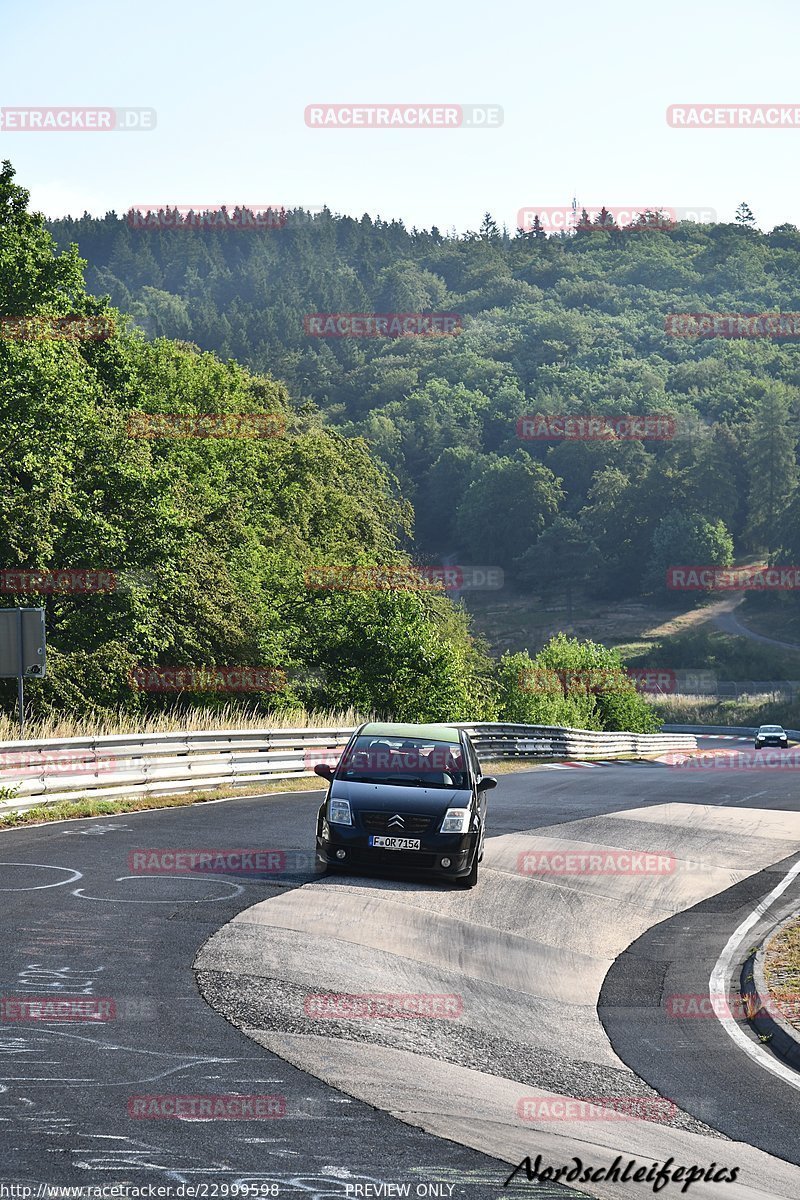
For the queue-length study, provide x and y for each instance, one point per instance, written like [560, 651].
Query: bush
[579, 684]
[681, 539]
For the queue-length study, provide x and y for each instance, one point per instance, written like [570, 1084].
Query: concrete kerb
[774, 1031]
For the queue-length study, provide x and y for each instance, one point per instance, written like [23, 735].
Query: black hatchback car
[409, 797]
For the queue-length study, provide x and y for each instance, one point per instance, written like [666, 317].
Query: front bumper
[358, 855]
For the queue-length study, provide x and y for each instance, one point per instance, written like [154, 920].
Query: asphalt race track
[569, 984]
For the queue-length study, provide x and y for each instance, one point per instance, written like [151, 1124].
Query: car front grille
[413, 825]
[413, 859]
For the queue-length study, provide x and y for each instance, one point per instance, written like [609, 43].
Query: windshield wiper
[416, 782]
[399, 781]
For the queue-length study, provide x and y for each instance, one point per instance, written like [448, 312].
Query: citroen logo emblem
[396, 820]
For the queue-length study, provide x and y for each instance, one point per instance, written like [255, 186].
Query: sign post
[23, 650]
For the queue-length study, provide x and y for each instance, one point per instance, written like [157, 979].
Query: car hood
[399, 797]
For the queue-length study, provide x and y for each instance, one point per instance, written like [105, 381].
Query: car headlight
[339, 812]
[456, 821]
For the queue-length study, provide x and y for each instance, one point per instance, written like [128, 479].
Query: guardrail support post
[21, 680]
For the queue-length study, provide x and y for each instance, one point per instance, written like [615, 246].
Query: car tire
[469, 881]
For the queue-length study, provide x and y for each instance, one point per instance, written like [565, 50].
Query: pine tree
[605, 219]
[744, 216]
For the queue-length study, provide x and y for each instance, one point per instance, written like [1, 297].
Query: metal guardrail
[497, 740]
[46, 771]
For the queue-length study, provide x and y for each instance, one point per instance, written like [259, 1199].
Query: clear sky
[584, 88]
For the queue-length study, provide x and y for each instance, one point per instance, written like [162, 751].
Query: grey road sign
[22, 650]
[22, 643]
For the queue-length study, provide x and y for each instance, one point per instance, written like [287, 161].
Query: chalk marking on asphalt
[42, 867]
[717, 986]
[183, 879]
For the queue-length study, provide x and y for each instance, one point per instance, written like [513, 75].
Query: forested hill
[572, 324]
[201, 547]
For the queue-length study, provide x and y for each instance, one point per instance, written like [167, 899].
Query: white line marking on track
[73, 875]
[717, 986]
[238, 889]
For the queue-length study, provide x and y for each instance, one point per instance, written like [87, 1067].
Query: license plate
[394, 843]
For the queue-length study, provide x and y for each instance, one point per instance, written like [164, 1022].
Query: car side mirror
[324, 771]
[487, 783]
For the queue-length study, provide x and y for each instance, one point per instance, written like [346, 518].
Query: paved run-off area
[529, 953]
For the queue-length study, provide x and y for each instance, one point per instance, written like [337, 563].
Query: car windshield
[771, 729]
[409, 762]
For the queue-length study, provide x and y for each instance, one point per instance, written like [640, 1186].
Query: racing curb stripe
[784, 1039]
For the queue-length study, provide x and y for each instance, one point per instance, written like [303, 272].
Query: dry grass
[175, 720]
[782, 970]
[515, 620]
[750, 710]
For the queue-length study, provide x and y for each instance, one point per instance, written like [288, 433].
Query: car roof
[771, 727]
[437, 733]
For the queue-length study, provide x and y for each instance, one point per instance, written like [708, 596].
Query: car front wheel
[469, 881]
